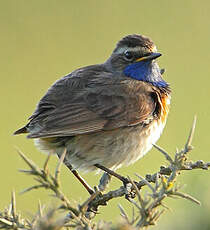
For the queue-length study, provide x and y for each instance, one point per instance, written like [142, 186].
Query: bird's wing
[77, 105]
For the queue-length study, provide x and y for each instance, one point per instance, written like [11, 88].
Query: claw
[112, 173]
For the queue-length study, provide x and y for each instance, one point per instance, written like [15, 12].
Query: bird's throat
[147, 71]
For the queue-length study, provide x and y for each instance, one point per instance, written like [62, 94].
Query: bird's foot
[104, 181]
[130, 191]
[112, 173]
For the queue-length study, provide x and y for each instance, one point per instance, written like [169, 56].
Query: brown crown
[135, 40]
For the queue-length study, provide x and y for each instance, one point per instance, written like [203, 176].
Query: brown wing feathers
[80, 108]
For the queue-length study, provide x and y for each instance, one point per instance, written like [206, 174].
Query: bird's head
[134, 55]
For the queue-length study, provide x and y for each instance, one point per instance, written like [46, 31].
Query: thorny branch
[150, 206]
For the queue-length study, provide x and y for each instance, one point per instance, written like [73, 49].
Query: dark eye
[128, 55]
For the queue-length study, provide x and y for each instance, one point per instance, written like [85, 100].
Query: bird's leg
[104, 181]
[130, 192]
[83, 182]
[110, 172]
[76, 174]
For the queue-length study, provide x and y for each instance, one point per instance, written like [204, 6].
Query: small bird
[105, 115]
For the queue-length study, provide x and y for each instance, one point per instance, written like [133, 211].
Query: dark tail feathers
[21, 130]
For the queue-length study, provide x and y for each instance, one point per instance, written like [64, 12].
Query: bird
[107, 115]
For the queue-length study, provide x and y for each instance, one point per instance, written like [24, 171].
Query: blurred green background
[43, 40]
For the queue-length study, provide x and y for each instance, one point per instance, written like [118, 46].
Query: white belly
[111, 149]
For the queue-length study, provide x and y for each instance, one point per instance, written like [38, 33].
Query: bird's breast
[164, 102]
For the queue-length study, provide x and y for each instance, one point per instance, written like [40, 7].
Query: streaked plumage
[108, 114]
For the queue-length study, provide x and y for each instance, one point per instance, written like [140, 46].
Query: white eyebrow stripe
[121, 50]
[134, 49]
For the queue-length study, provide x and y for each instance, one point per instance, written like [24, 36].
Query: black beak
[151, 56]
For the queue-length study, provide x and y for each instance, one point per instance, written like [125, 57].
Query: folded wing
[75, 106]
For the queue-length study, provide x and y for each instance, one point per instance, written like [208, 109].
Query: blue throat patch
[147, 71]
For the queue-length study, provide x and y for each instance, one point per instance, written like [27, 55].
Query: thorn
[13, 203]
[188, 145]
[141, 201]
[123, 213]
[57, 171]
[167, 156]
[46, 162]
[40, 209]
[186, 196]
[29, 162]
[31, 188]
[146, 182]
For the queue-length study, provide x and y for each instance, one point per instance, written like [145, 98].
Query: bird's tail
[21, 130]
